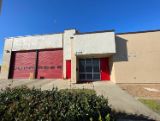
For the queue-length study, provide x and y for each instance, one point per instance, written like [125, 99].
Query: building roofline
[77, 33]
[81, 33]
[33, 35]
[136, 32]
[70, 29]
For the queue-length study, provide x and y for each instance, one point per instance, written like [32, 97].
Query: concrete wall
[94, 43]
[91, 45]
[6, 58]
[74, 76]
[37, 42]
[67, 43]
[138, 58]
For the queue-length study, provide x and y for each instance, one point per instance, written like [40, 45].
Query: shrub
[65, 105]
[86, 91]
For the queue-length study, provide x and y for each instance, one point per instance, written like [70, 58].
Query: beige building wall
[112, 69]
[138, 58]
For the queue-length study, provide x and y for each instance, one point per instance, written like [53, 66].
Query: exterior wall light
[71, 37]
[7, 51]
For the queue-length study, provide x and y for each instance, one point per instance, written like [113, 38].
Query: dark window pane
[96, 69]
[40, 67]
[96, 62]
[81, 69]
[96, 76]
[82, 76]
[88, 68]
[89, 61]
[52, 67]
[59, 67]
[81, 62]
[89, 76]
[46, 67]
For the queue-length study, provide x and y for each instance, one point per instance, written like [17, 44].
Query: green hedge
[23, 104]
[86, 91]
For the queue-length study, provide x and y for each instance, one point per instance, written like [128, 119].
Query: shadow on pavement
[121, 116]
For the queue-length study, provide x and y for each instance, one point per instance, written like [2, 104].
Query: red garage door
[50, 63]
[22, 64]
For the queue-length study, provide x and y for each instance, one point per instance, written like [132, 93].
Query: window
[82, 76]
[89, 69]
[82, 62]
[89, 61]
[96, 62]
[89, 76]
[96, 69]
[96, 76]
[82, 69]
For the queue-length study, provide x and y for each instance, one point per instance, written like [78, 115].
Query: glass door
[89, 69]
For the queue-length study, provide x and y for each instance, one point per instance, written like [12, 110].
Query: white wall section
[94, 43]
[37, 42]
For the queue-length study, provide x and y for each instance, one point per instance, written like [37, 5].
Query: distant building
[83, 57]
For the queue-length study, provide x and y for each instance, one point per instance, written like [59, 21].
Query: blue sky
[27, 17]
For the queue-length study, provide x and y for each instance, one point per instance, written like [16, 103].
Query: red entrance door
[104, 68]
[68, 69]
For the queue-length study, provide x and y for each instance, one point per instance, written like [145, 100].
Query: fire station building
[84, 57]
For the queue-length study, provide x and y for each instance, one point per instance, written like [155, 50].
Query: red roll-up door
[22, 64]
[68, 69]
[104, 68]
[50, 64]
